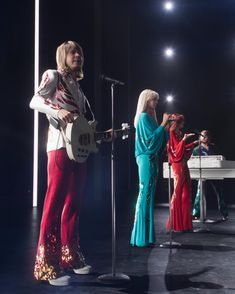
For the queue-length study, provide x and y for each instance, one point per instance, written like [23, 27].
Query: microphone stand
[113, 277]
[202, 195]
[201, 183]
[170, 243]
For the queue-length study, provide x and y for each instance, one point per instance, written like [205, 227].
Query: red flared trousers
[58, 246]
[181, 203]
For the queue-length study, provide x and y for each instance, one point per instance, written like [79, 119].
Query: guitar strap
[88, 104]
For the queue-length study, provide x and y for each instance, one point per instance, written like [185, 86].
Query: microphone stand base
[206, 221]
[201, 230]
[169, 244]
[114, 279]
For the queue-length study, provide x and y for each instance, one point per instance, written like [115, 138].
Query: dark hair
[177, 119]
[207, 134]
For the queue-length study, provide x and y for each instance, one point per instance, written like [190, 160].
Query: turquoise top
[150, 138]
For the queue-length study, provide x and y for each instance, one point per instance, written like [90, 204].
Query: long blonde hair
[145, 96]
[61, 54]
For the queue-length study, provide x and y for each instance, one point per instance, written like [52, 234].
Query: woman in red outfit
[179, 153]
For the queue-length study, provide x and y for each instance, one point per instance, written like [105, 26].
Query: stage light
[169, 52]
[169, 98]
[168, 5]
[36, 115]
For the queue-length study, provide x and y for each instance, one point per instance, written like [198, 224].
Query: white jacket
[58, 91]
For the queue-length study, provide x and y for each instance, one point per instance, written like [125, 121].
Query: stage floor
[204, 263]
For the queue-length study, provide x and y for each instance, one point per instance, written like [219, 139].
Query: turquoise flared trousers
[143, 233]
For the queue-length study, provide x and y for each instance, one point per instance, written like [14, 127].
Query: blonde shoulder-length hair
[61, 54]
[145, 96]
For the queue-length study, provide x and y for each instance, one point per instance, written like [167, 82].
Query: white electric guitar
[81, 138]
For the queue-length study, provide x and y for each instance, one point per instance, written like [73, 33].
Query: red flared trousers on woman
[181, 206]
[58, 246]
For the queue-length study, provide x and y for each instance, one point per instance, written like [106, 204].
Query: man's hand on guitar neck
[110, 135]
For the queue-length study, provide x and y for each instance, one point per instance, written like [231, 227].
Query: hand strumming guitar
[65, 116]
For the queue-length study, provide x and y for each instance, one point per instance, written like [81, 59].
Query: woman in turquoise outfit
[150, 140]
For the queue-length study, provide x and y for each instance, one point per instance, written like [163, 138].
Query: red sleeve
[176, 148]
[190, 146]
[189, 149]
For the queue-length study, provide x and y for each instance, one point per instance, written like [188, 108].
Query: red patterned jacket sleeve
[41, 99]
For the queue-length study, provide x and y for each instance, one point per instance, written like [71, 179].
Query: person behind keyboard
[206, 148]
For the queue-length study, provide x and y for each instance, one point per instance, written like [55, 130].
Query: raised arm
[179, 149]
[150, 139]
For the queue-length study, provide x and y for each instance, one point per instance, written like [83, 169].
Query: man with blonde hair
[60, 97]
[204, 149]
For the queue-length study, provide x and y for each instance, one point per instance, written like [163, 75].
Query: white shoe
[87, 269]
[61, 281]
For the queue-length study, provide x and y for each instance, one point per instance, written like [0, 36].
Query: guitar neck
[102, 136]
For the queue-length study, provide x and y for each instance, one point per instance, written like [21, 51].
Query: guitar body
[80, 139]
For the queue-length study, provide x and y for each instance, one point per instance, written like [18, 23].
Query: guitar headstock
[125, 131]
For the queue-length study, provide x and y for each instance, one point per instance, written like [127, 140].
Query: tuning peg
[125, 126]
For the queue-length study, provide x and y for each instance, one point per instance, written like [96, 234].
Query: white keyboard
[212, 167]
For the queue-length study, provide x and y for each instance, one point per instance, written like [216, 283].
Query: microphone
[111, 80]
[171, 119]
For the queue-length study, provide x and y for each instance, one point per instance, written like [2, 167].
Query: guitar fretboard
[101, 136]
